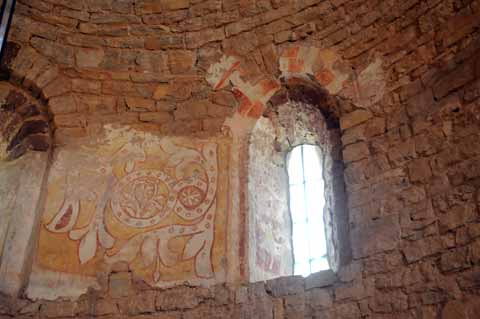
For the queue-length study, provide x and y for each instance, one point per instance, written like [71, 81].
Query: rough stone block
[86, 86]
[354, 118]
[319, 299]
[59, 86]
[167, 41]
[140, 104]
[198, 39]
[355, 152]
[347, 310]
[161, 91]
[320, 279]
[140, 303]
[146, 61]
[192, 110]
[419, 249]
[105, 307]
[457, 216]
[421, 104]
[96, 104]
[402, 152]
[218, 110]
[63, 104]
[61, 309]
[356, 290]
[181, 61]
[419, 170]
[181, 298]
[89, 58]
[295, 306]
[60, 53]
[284, 286]
[456, 28]
[454, 80]
[455, 259]
[375, 236]
[119, 284]
[241, 295]
[156, 117]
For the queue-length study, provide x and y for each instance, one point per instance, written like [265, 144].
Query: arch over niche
[301, 112]
[319, 69]
[309, 77]
[25, 145]
[24, 123]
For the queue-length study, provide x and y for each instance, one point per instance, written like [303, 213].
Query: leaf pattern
[129, 166]
[88, 247]
[76, 234]
[66, 218]
[167, 257]
[106, 240]
[151, 247]
[156, 273]
[194, 245]
[148, 251]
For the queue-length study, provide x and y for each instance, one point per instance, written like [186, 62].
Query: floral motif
[139, 199]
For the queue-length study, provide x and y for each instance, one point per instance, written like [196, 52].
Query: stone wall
[321, 295]
[404, 78]
[146, 62]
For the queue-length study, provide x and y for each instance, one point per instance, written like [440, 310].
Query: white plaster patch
[240, 125]
[218, 74]
[371, 84]
[50, 285]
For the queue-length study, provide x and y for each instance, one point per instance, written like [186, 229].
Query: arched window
[307, 202]
[298, 221]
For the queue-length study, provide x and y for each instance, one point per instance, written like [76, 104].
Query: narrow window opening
[307, 202]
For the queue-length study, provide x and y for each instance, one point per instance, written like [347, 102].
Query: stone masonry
[24, 123]
[403, 77]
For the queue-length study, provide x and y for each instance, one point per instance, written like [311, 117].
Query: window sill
[320, 279]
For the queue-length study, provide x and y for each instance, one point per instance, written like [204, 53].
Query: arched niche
[25, 144]
[301, 112]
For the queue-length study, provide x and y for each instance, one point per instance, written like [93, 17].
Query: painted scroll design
[142, 200]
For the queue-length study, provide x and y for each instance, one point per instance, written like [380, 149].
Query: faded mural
[270, 233]
[156, 203]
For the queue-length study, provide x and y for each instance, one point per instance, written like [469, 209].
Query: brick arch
[25, 145]
[24, 123]
[312, 76]
[308, 71]
[24, 116]
[307, 91]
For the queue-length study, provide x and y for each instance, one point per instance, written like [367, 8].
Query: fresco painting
[156, 203]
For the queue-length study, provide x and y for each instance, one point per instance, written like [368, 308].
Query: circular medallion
[143, 199]
[191, 196]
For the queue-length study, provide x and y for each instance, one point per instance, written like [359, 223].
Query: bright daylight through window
[306, 206]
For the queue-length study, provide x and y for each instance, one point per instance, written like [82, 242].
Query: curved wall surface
[151, 105]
